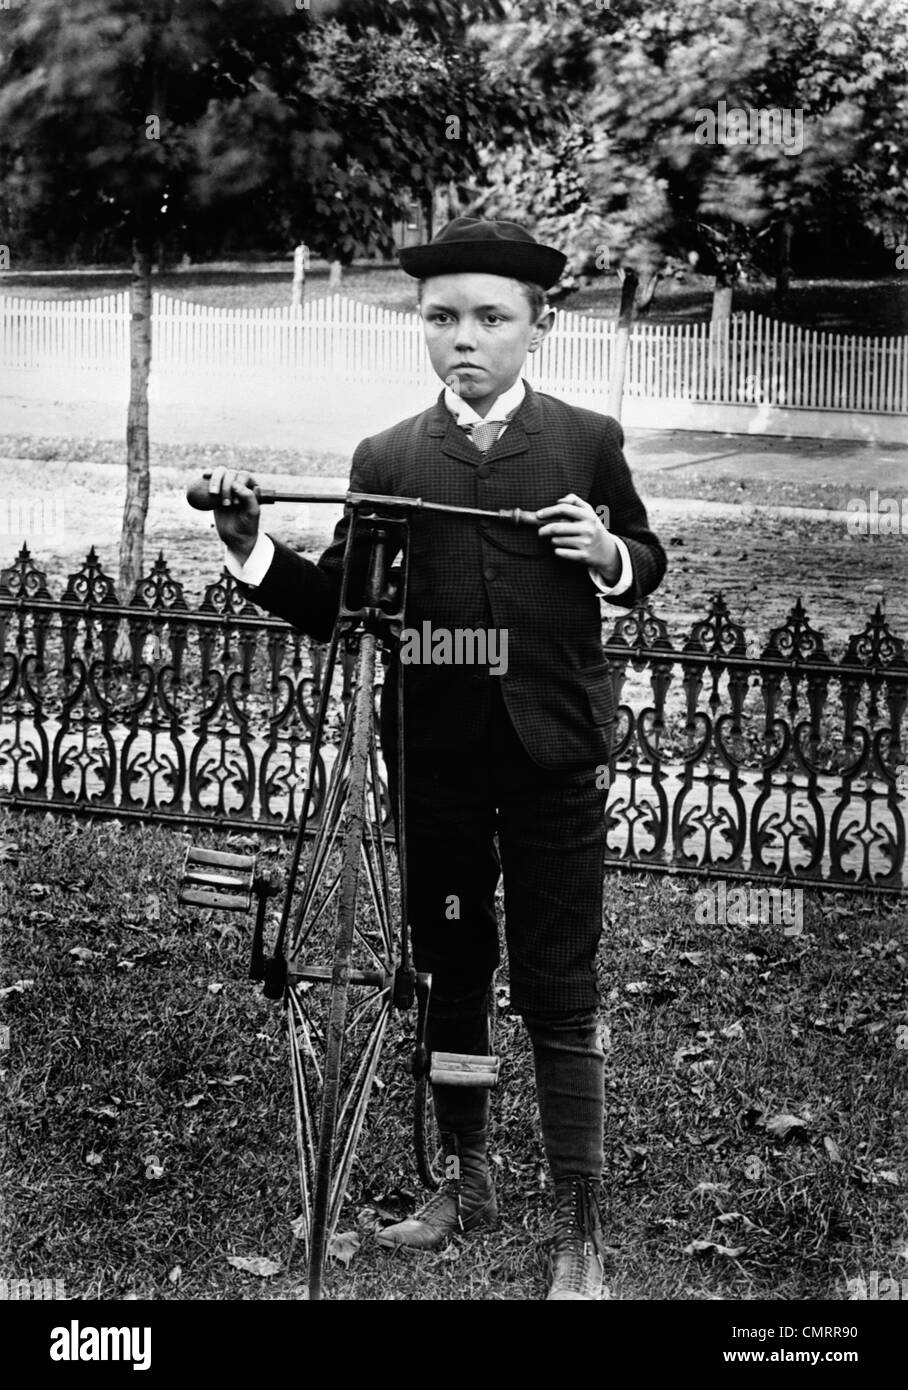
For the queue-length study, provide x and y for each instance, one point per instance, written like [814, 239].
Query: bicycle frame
[331, 1092]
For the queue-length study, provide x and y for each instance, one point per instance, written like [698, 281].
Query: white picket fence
[749, 360]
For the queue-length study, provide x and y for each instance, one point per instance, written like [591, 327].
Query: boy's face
[479, 329]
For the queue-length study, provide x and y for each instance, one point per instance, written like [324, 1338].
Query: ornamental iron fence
[778, 762]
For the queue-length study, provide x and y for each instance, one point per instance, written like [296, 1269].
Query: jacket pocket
[597, 682]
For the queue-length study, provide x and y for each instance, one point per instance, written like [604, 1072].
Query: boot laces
[575, 1232]
[434, 1206]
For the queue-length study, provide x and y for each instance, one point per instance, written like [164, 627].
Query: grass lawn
[868, 307]
[755, 1082]
[147, 1100]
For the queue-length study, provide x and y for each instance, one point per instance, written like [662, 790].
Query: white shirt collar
[501, 408]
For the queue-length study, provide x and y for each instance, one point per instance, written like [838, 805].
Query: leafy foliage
[318, 125]
[636, 78]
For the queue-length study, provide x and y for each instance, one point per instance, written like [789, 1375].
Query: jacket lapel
[525, 422]
[456, 444]
[453, 440]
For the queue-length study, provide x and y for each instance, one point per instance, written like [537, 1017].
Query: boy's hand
[577, 533]
[236, 514]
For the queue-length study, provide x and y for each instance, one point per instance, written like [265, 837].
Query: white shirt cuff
[625, 578]
[256, 566]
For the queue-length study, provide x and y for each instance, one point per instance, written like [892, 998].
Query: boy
[519, 755]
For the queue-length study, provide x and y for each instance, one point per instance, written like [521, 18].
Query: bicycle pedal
[463, 1069]
[214, 878]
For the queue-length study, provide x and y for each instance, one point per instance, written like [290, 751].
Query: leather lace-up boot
[575, 1258]
[465, 1203]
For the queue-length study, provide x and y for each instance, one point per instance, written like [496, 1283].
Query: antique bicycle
[342, 956]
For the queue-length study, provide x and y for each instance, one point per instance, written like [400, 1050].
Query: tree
[321, 121]
[642, 81]
[396, 112]
[103, 112]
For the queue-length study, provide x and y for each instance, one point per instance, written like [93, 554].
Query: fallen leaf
[704, 1247]
[215, 987]
[298, 1227]
[783, 1125]
[19, 987]
[84, 953]
[728, 1216]
[247, 842]
[368, 1219]
[344, 1246]
[255, 1264]
[693, 957]
[703, 1188]
[734, 1030]
[175, 1274]
[93, 1159]
[193, 1101]
[832, 1150]
[105, 1112]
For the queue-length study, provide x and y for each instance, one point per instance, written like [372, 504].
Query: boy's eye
[494, 318]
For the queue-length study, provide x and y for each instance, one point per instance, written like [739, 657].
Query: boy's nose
[466, 337]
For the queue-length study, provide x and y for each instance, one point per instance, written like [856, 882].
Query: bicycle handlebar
[199, 497]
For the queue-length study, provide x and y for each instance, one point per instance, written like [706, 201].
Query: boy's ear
[541, 328]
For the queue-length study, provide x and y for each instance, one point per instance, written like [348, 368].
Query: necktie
[484, 435]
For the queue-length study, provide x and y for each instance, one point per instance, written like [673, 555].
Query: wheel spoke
[304, 1105]
[337, 1025]
[321, 851]
[379, 892]
[355, 1106]
[360, 1008]
[377, 841]
[329, 825]
[314, 920]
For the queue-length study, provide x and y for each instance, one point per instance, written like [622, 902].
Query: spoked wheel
[340, 974]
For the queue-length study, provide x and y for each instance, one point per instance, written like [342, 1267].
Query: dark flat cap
[491, 248]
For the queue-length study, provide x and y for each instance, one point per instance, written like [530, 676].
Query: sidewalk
[771, 458]
[334, 420]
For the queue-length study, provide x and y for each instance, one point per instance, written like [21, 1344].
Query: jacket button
[490, 572]
[483, 471]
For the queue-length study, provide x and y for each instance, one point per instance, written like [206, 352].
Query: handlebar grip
[198, 495]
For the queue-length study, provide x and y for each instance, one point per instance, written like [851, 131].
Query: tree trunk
[132, 539]
[723, 294]
[299, 275]
[647, 293]
[783, 261]
[719, 364]
[335, 270]
[622, 339]
[429, 214]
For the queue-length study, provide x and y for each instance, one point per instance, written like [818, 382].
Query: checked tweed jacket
[557, 688]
